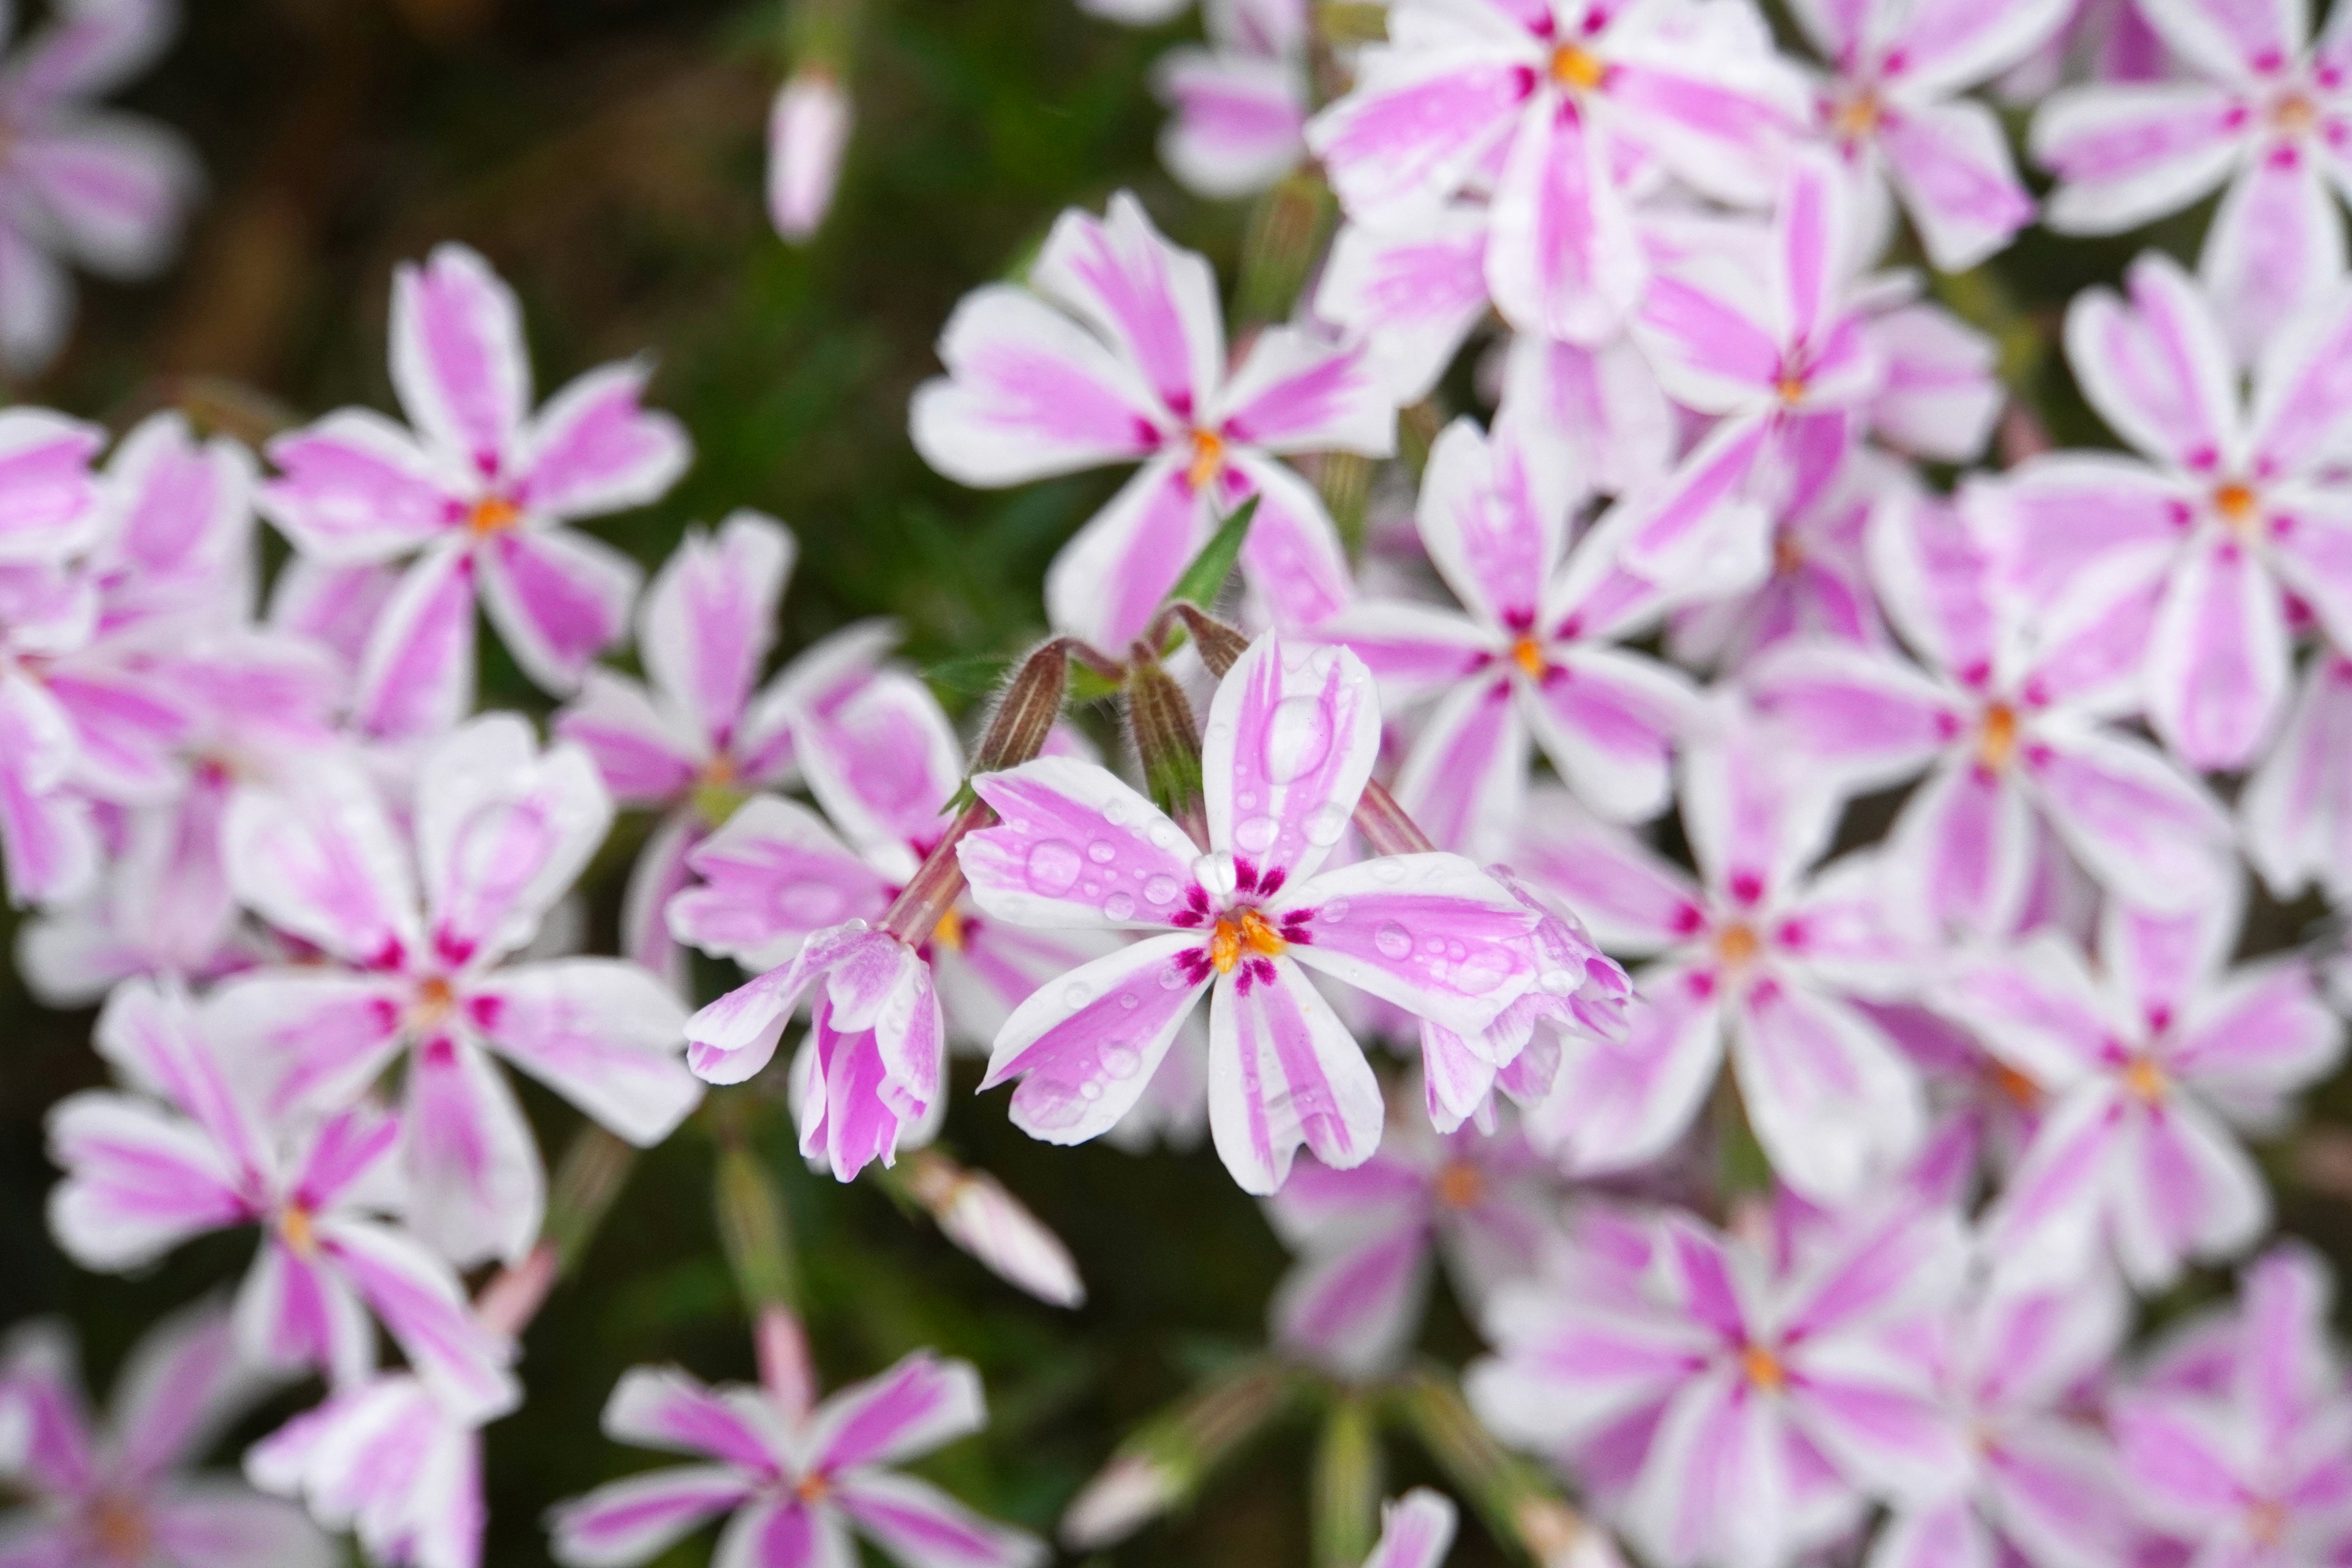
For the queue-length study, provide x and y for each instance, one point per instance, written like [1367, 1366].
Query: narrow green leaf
[1207, 574]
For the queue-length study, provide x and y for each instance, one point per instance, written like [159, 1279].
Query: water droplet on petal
[1102, 852]
[1257, 834]
[1116, 813]
[1387, 870]
[1091, 1089]
[1120, 1060]
[1335, 911]
[1078, 994]
[1481, 971]
[1172, 979]
[1325, 824]
[1161, 889]
[1297, 737]
[1052, 867]
[1129, 1000]
[1392, 940]
[1118, 907]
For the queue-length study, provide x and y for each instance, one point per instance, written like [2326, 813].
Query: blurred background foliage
[607, 157]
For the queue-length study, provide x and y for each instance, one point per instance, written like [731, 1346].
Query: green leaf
[1207, 574]
[974, 677]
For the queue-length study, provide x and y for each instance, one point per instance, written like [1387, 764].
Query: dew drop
[1120, 1060]
[1118, 907]
[1392, 940]
[1129, 1000]
[1481, 971]
[1091, 1089]
[1161, 889]
[1102, 852]
[1257, 834]
[1387, 870]
[1116, 813]
[1335, 911]
[1297, 737]
[1078, 994]
[1325, 824]
[1172, 979]
[1052, 867]
[1162, 836]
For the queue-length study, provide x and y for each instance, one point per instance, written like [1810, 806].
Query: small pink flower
[391, 1461]
[1240, 105]
[700, 729]
[2148, 1064]
[797, 1487]
[2295, 812]
[80, 184]
[416, 930]
[1115, 353]
[2258, 1472]
[185, 1155]
[478, 492]
[1755, 1405]
[2257, 107]
[118, 1496]
[1290, 742]
[2189, 557]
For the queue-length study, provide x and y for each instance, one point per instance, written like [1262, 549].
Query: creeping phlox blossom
[1239, 119]
[391, 1459]
[80, 184]
[700, 729]
[1739, 1406]
[117, 1495]
[2189, 559]
[187, 1153]
[798, 1484]
[1115, 353]
[479, 493]
[1289, 746]
[416, 929]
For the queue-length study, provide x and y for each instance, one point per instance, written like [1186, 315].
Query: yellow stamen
[1248, 930]
[300, 1237]
[1528, 654]
[2237, 504]
[432, 1004]
[1788, 555]
[1461, 1185]
[492, 514]
[2018, 1088]
[1790, 387]
[1997, 740]
[813, 1489]
[949, 933]
[2146, 1080]
[1208, 459]
[1857, 118]
[2294, 114]
[2266, 1523]
[719, 771]
[1577, 70]
[1737, 944]
[1763, 1369]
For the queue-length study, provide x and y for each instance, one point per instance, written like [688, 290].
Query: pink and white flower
[1535, 656]
[700, 729]
[798, 1485]
[390, 1460]
[1891, 106]
[477, 492]
[416, 928]
[1239, 118]
[2259, 1472]
[1291, 738]
[1416, 1530]
[1758, 1404]
[2010, 730]
[2256, 106]
[1115, 353]
[808, 132]
[119, 1495]
[82, 184]
[2193, 553]
[2295, 816]
[1755, 957]
[2148, 1063]
[1567, 112]
[185, 1155]
[1353, 1299]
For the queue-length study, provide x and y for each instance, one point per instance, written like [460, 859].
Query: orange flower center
[1763, 1369]
[719, 771]
[949, 933]
[1788, 555]
[1461, 1184]
[492, 514]
[1247, 931]
[301, 1236]
[2146, 1080]
[1737, 944]
[2020, 1090]
[1857, 118]
[1577, 68]
[2266, 1523]
[118, 1527]
[1208, 459]
[431, 1005]
[1790, 387]
[1997, 740]
[2236, 504]
[1528, 654]
[2293, 114]
[813, 1489]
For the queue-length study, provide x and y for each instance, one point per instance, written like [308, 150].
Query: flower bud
[973, 1210]
[808, 132]
[1164, 1461]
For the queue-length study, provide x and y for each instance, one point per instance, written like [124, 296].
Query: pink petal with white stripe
[2218, 662]
[416, 675]
[1292, 558]
[1493, 514]
[502, 830]
[558, 598]
[2126, 154]
[1155, 303]
[1074, 847]
[1432, 933]
[918, 1404]
[773, 875]
[595, 448]
[882, 763]
[1297, 391]
[139, 1181]
[1414, 297]
[457, 356]
[421, 1306]
[476, 1188]
[1603, 405]
[602, 1032]
[1283, 1072]
[309, 1039]
[633, 1521]
[1563, 257]
[1085, 1047]
[354, 488]
[48, 500]
[2297, 809]
[1292, 735]
[1940, 395]
[1465, 779]
[1239, 121]
[2139, 824]
[2276, 244]
[1634, 901]
[1107, 583]
[708, 620]
[323, 861]
[1418, 122]
[1609, 719]
[920, 1525]
[1832, 1102]
[1951, 164]
[644, 758]
[1619, 1104]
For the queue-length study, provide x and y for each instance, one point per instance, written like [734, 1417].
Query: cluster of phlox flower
[326, 905]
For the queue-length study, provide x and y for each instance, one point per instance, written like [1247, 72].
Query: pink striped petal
[1292, 558]
[732, 1039]
[1634, 900]
[294, 1311]
[2157, 367]
[1700, 521]
[1961, 856]
[1028, 394]
[1239, 121]
[1156, 304]
[128, 728]
[1107, 582]
[1420, 119]
[1353, 1308]
[2035, 1007]
[2126, 154]
[2261, 1031]
[1618, 1104]
[882, 763]
[786, 1535]
[112, 189]
[1074, 847]
[2302, 402]
[49, 499]
[849, 1117]
[1284, 1071]
[629, 1522]
[1465, 779]
[1432, 933]
[2232, 40]
[920, 1525]
[1563, 258]
[416, 674]
[2218, 662]
[1951, 164]
[1410, 646]
[595, 448]
[1602, 405]
[476, 1188]
[2276, 244]
[1832, 1104]
[1292, 735]
[1087, 1046]
[1413, 296]
[457, 356]
[139, 1181]
[1940, 395]
[1416, 1530]
[1718, 1480]
[502, 831]
[662, 1407]
[2184, 1190]
[1871, 717]
[558, 598]
[2139, 824]
[708, 620]
[772, 876]
[1297, 391]
[1494, 516]
[322, 862]
[354, 488]
[421, 1306]
[644, 757]
[1710, 352]
[602, 1032]
[918, 1404]
[2297, 809]
[1609, 719]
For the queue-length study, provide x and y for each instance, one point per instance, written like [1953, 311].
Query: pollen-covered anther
[1208, 459]
[949, 933]
[492, 514]
[294, 1227]
[814, 1488]
[1791, 387]
[1856, 119]
[434, 999]
[1996, 737]
[2146, 1080]
[1528, 654]
[2236, 505]
[1577, 68]
[1244, 932]
[2294, 114]
[1763, 1369]
[1461, 1184]
[1737, 944]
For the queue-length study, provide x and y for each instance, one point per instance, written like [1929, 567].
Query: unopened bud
[1132, 1491]
[1163, 1463]
[1221, 645]
[808, 132]
[973, 1210]
[1026, 713]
